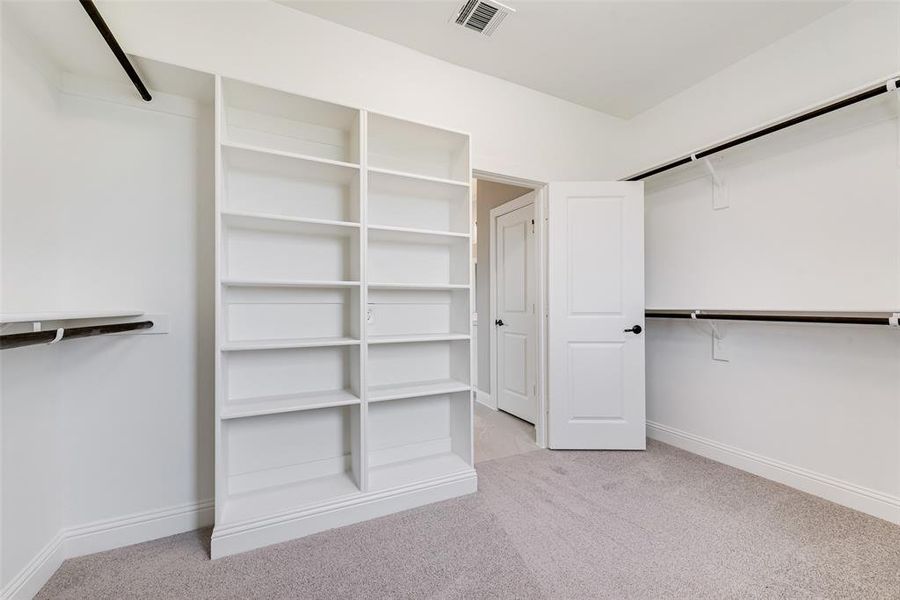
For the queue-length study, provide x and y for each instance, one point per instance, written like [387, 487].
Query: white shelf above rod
[48, 327]
[61, 315]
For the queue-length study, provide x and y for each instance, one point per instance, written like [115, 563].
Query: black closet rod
[94, 14]
[883, 88]
[848, 318]
[17, 340]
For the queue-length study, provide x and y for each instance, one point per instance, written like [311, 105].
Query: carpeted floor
[498, 435]
[557, 525]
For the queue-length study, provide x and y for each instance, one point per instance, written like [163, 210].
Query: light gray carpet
[498, 435]
[558, 525]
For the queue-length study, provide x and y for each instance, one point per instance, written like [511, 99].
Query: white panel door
[596, 315]
[515, 322]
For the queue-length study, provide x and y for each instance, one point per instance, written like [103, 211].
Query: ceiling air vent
[482, 16]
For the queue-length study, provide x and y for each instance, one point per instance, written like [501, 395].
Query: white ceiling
[617, 57]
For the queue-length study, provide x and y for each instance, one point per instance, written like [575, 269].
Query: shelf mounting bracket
[720, 192]
[712, 324]
[719, 351]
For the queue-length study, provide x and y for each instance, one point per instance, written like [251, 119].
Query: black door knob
[635, 330]
[499, 323]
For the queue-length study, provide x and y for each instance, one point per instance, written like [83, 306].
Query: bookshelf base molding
[233, 539]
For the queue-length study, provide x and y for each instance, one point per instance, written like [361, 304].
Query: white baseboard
[241, 537]
[105, 535]
[29, 581]
[485, 399]
[872, 502]
[140, 527]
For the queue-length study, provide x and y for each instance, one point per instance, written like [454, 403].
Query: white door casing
[596, 293]
[514, 313]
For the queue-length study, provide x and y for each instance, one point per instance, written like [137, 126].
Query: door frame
[540, 231]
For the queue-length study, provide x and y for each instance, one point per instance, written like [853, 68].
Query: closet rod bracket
[720, 192]
[695, 315]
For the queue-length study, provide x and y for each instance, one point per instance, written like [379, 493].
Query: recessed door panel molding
[514, 274]
[595, 224]
[515, 364]
[595, 382]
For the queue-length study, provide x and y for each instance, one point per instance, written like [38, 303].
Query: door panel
[515, 357]
[595, 366]
[514, 255]
[596, 292]
[515, 301]
[595, 285]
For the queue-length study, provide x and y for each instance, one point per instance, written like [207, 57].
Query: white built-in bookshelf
[343, 311]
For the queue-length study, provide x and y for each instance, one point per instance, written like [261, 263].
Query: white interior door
[596, 296]
[514, 321]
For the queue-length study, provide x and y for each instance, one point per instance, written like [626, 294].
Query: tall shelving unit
[343, 312]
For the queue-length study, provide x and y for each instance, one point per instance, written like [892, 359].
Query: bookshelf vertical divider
[343, 316]
[364, 302]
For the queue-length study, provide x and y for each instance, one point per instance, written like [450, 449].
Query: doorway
[507, 310]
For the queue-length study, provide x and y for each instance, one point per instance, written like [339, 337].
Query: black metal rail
[846, 318]
[769, 129]
[113, 44]
[18, 340]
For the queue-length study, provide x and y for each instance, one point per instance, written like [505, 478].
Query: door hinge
[532, 226]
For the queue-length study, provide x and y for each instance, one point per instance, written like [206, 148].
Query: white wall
[30, 398]
[813, 224]
[104, 206]
[515, 131]
[32, 514]
[138, 410]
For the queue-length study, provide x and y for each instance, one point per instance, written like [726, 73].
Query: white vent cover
[481, 16]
